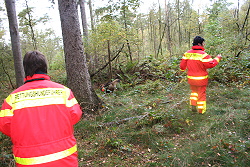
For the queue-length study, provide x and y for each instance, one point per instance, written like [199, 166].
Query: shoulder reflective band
[6, 113]
[206, 60]
[198, 78]
[70, 103]
[194, 56]
[46, 158]
[218, 60]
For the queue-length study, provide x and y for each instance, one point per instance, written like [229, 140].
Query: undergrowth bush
[232, 70]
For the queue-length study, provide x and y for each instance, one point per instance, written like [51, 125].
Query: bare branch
[118, 53]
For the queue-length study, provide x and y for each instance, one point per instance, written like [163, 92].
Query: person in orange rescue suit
[197, 61]
[39, 117]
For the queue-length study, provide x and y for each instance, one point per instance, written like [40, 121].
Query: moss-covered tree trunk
[78, 77]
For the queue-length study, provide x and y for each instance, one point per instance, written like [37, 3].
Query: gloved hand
[219, 56]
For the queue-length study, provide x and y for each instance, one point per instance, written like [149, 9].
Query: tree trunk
[161, 39]
[150, 32]
[179, 24]
[91, 16]
[78, 77]
[110, 65]
[159, 50]
[84, 18]
[169, 40]
[126, 29]
[85, 32]
[30, 24]
[15, 41]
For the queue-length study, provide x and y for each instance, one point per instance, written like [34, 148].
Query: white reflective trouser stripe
[201, 106]
[194, 96]
[46, 158]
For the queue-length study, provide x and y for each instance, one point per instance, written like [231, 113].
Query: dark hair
[34, 62]
[198, 40]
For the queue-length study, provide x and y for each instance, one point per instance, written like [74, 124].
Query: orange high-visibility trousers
[198, 97]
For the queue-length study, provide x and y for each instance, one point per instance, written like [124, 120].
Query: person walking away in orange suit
[197, 61]
[39, 117]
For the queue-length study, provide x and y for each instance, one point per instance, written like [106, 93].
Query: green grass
[168, 134]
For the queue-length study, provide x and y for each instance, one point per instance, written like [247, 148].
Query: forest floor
[151, 125]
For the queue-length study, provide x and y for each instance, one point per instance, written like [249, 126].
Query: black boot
[194, 109]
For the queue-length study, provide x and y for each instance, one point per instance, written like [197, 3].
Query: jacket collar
[197, 47]
[36, 77]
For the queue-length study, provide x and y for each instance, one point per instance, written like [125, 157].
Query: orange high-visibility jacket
[197, 61]
[39, 118]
